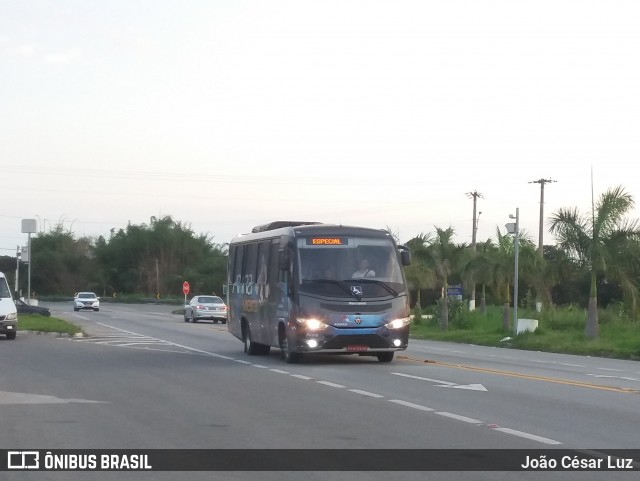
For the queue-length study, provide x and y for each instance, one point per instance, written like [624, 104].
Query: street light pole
[29, 226]
[475, 194]
[17, 270]
[29, 269]
[514, 228]
[515, 282]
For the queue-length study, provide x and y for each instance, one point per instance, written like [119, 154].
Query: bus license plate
[356, 348]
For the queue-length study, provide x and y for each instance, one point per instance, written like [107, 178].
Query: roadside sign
[455, 291]
[185, 288]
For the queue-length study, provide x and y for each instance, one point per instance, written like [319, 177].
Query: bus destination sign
[327, 241]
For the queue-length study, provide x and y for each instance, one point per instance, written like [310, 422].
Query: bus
[309, 287]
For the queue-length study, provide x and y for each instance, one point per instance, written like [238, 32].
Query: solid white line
[458, 417]
[411, 405]
[300, 376]
[330, 384]
[366, 393]
[528, 436]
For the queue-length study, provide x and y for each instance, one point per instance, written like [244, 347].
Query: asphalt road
[144, 379]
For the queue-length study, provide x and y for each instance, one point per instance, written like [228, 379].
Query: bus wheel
[287, 355]
[385, 356]
[250, 347]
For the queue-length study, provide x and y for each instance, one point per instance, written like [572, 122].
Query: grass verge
[35, 322]
[559, 330]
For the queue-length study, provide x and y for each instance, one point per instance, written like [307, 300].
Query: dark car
[24, 308]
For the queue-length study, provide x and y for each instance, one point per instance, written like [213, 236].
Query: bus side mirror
[405, 257]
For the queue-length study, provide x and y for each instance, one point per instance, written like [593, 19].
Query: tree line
[596, 259]
[147, 260]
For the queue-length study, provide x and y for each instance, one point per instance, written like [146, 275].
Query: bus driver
[364, 270]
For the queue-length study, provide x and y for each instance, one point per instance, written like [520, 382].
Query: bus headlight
[312, 324]
[398, 323]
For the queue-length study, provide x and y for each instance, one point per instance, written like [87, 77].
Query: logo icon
[358, 320]
[356, 291]
[23, 459]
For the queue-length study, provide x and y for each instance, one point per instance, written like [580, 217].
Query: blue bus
[309, 287]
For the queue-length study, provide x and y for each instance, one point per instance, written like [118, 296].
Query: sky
[226, 114]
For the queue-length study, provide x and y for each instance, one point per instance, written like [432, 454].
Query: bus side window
[237, 270]
[250, 266]
[274, 269]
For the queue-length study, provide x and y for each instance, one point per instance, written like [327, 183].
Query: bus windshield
[331, 265]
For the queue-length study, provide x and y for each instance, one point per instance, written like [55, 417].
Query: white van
[8, 312]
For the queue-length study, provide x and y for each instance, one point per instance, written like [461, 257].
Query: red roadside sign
[185, 288]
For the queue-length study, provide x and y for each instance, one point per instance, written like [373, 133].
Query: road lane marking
[523, 376]
[624, 378]
[458, 417]
[366, 393]
[411, 405]
[522, 434]
[7, 398]
[330, 384]
[137, 337]
[445, 384]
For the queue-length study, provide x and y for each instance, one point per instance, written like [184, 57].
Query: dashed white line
[411, 405]
[107, 339]
[330, 384]
[533, 437]
[366, 393]
[458, 417]
[607, 369]
[624, 378]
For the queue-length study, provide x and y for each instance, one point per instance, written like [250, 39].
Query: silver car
[206, 307]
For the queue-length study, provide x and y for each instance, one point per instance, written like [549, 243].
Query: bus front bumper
[352, 341]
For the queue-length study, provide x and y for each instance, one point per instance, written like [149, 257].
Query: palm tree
[419, 275]
[478, 268]
[500, 262]
[443, 257]
[603, 244]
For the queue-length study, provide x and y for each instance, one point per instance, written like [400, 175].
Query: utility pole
[157, 280]
[542, 182]
[474, 195]
[540, 231]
